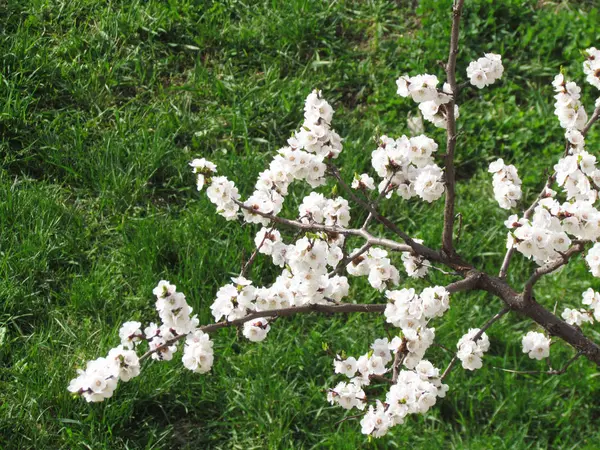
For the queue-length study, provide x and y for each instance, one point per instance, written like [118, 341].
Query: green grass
[102, 105]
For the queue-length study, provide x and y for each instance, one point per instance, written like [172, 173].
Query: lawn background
[103, 104]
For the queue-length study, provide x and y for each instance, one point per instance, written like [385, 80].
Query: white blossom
[486, 70]
[256, 330]
[537, 345]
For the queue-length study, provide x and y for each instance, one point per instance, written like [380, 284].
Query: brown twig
[255, 253]
[545, 372]
[283, 312]
[450, 178]
[551, 267]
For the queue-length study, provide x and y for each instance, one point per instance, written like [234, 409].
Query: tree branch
[551, 267]
[283, 312]
[418, 248]
[545, 372]
[450, 178]
[329, 229]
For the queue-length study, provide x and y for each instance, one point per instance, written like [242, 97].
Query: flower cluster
[256, 330]
[100, 378]
[432, 102]
[224, 195]
[414, 391]
[411, 313]
[407, 166]
[537, 345]
[568, 107]
[593, 259]
[578, 317]
[416, 266]
[376, 264]
[198, 352]
[363, 181]
[234, 300]
[578, 176]
[506, 183]
[315, 208]
[471, 351]
[591, 67]
[485, 71]
[303, 159]
[203, 169]
[173, 309]
[542, 238]
[305, 278]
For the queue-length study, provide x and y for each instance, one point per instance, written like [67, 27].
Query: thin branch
[545, 372]
[474, 339]
[551, 267]
[468, 284]
[355, 416]
[329, 229]
[593, 119]
[375, 204]
[381, 379]
[255, 253]
[347, 260]
[420, 249]
[399, 356]
[450, 177]
[283, 312]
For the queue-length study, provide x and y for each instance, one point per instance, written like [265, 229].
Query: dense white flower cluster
[470, 352]
[541, 238]
[432, 102]
[580, 316]
[547, 234]
[407, 167]
[486, 70]
[198, 352]
[97, 382]
[410, 312]
[537, 345]
[568, 107]
[315, 208]
[303, 159]
[578, 176]
[506, 183]
[100, 378]
[414, 392]
[234, 300]
[377, 266]
[591, 67]
[223, 194]
[173, 309]
[256, 330]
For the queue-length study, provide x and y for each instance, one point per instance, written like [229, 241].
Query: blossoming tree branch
[316, 265]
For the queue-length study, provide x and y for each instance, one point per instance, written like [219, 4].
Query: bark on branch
[450, 200]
